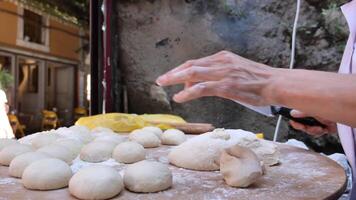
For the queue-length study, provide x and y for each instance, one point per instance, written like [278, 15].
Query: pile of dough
[96, 182]
[59, 152]
[10, 152]
[71, 144]
[203, 152]
[154, 130]
[114, 138]
[4, 142]
[97, 151]
[147, 176]
[173, 137]
[146, 138]
[45, 138]
[18, 164]
[240, 166]
[81, 133]
[129, 152]
[46, 174]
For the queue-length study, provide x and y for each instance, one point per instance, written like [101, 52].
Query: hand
[223, 74]
[330, 127]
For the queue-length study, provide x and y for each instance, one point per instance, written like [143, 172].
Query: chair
[17, 127]
[49, 120]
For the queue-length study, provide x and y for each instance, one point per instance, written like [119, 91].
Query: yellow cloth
[125, 123]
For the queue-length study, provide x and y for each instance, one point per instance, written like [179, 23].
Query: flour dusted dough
[18, 164]
[96, 182]
[114, 138]
[147, 176]
[43, 139]
[173, 137]
[154, 130]
[146, 138]
[10, 152]
[6, 142]
[240, 166]
[129, 152]
[97, 151]
[203, 152]
[71, 144]
[46, 174]
[59, 152]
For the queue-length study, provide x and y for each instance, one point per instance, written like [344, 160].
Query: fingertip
[295, 113]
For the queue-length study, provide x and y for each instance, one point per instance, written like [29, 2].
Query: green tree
[6, 79]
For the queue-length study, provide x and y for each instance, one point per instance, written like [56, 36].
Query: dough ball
[8, 153]
[154, 130]
[44, 139]
[47, 174]
[4, 142]
[59, 152]
[97, 151]
[18, 164]
[199, 153]
[81, 133]
[71, 144]
[96, 182]
[102, 129]
[240, 166]
[129, 152]
[147, 176]
[114, 138]
[173, 137]
[146, 138]
[219, 133]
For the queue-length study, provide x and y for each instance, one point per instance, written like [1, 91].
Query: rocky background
[157, 35]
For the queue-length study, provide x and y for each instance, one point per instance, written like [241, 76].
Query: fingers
[196, 91]
[297, 114]
[193, 74]
[311, 130]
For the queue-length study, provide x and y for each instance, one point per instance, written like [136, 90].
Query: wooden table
[301, 175]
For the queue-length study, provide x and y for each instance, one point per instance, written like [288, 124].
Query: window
[32, 27]
[32, 30]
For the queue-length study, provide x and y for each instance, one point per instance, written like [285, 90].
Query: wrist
[273, 91]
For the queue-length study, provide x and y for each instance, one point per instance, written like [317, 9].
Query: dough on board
[71, 144]
[146, 138]
[8, 153]
[6, 142]
[173, 137]
[58, 151]
[147, 176]
[154, 130]
[47, 174]
[96, 182]
[240, 166]
[97, 151]
[44, 139]
[19, 163]
[129, 152]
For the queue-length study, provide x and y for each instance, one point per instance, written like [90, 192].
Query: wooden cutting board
[301, 175]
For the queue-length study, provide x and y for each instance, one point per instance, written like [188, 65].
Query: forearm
[328, 95]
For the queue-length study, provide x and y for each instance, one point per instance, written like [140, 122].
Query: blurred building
[45, 55]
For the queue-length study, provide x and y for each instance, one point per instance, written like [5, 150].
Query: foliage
[75, 11]
[6, 79]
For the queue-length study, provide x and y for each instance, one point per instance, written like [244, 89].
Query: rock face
[158, 35]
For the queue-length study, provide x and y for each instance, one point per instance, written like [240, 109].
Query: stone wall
[157, 35]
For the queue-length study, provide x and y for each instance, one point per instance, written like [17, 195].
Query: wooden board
[301, 175]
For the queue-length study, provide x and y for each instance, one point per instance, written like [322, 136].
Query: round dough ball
[173, 137]
[47, 174]
[7, 154]
[44, 139]
[71, 144]
[59, 152]
[18, 164]
[4, 142]
[146, 138]
[129, 152]
[154, 130]
[96, 182]
[114, 138]
[147, 176]
[240, 166]
[97, 151]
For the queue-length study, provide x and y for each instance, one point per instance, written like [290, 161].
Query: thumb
[297, 114]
